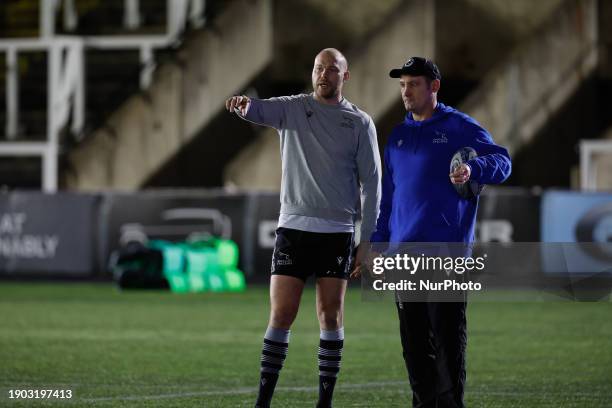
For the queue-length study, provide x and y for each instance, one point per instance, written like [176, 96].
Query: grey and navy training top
[330, 162]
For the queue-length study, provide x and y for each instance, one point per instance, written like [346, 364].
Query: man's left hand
[363, 260]
[360, 260]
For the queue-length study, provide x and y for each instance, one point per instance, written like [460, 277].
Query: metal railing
[65, 71]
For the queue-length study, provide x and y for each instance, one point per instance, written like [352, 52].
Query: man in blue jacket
[420, 204]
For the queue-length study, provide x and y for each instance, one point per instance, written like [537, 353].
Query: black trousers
[434, 340]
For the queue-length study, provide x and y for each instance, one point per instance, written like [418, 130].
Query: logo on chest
[347, 122]
[440, 137]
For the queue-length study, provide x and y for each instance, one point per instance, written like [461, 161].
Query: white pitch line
[238, 391]
[252, 390]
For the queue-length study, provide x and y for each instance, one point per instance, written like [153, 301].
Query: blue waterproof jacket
[419, 202]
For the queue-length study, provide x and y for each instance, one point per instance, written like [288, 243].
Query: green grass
[159, 349]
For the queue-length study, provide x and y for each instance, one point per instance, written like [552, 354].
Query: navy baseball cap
[417, 66]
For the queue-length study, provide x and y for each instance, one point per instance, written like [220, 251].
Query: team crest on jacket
[400, 142]
[441, 137]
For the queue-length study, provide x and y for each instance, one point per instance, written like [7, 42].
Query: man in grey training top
[330, 158]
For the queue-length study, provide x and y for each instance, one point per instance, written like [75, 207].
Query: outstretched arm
[267, 112]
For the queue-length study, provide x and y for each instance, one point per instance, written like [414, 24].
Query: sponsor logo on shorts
[339, 259]
[283, 258]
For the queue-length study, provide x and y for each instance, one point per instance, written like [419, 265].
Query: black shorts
[302, 253]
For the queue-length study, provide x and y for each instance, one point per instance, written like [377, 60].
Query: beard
[327, 92]
[410, 106]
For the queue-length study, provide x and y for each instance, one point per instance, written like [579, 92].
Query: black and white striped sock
[330, 354]
[273, 354]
